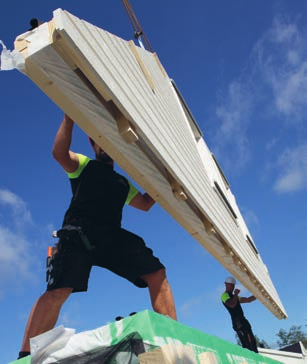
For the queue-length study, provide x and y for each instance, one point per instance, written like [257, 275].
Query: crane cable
[138, 31]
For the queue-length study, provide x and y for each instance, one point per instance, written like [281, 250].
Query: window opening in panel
[249, 240]
[220, 170]
[224, 198]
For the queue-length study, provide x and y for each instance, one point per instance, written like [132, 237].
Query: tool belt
[52, 251]
[71, 233]
[74, 233]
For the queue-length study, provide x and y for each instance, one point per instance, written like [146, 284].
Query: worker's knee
[57, 296]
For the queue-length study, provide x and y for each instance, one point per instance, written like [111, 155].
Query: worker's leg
[161, 296]
[44, 314]
[252, 342]
[249, 337]
[243, 339]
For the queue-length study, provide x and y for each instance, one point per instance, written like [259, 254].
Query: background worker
[91, 235]
[232, 301]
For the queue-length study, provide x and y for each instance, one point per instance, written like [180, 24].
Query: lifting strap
[138, 31]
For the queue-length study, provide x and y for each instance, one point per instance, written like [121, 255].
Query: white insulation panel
[121, 96]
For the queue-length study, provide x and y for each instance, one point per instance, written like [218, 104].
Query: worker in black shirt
[232, 301]
[92, 235]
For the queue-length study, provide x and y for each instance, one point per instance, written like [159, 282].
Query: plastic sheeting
[126, 351]
[11, 60]
[122, 340]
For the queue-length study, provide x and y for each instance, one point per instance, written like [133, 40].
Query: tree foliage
[262, 343]
[294, 335]
[286, 337]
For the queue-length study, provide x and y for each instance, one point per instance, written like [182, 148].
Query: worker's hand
[237, 291]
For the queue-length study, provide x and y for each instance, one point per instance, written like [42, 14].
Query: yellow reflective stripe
[225, 297]
[83, 160]
[132, 193]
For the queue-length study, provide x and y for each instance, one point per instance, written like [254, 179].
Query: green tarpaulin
[156, 331]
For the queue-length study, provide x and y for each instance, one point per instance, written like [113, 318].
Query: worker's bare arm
[142, 201]
[61, 147]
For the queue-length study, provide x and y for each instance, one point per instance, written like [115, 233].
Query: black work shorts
[241, 324]
[119, 251]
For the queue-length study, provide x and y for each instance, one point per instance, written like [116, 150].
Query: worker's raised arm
[247, 299]
[142, 201]
[61, 147]
[231, 302]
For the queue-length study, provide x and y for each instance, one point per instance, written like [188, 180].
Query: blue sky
[242, 69]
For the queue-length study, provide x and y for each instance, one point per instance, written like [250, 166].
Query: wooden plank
[97, 79]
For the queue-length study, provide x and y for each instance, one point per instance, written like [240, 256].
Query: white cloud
[271, 143]
[188, 307]
[283, 31]
[293, 170]
[15, 254]
[234, 116]
[18, 208]
[282, 62]
[272, 92]
[250, 218]
[70, 315]
[193, 305]
[16, 257]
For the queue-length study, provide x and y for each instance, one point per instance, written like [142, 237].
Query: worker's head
[100, 154]
[230, 280]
